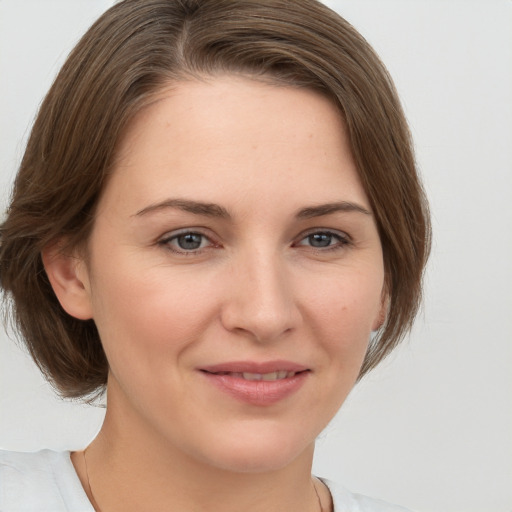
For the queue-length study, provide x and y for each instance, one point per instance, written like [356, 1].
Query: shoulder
[344, 500]
[40, 481]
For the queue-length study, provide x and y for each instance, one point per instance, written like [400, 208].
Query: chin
[258, 453]
[253, 463]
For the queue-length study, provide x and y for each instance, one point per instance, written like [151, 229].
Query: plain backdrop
[432, 427]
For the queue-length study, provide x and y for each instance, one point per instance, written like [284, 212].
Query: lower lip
[257, 392]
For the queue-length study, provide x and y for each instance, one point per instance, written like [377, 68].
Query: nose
[260, 299]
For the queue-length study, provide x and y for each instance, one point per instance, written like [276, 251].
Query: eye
[186, 242]
[324, 240]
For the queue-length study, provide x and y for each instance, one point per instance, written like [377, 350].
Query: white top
[46, 481]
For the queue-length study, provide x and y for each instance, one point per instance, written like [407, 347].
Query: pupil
[190, 241]
[320, 240]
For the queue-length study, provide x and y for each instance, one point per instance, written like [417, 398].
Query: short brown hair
[128, 56]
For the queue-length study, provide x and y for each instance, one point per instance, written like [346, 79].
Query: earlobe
[381, 318]
[68, 276]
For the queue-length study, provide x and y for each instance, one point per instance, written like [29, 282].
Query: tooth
[270, 376]
[290, 374]
[252, 376]
[282, 374]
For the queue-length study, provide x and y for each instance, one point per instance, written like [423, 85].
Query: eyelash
[343, 240]
[167, 243]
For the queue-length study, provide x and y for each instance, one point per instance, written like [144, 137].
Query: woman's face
[234, 272]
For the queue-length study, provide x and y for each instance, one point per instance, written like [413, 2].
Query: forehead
[232, 131]
[218, 103]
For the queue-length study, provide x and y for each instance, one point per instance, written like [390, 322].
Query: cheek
[345, 308]
[153, 309]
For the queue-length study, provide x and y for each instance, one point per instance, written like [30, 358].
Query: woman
[217, 209]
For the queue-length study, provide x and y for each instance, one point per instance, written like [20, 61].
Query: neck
[131, 470]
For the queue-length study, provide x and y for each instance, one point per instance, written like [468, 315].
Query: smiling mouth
[268, 377]
[257, 383]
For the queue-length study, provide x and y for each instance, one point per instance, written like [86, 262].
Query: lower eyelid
[167, 241]
[340, 238]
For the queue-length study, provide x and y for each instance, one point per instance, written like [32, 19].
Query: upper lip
[254, 367]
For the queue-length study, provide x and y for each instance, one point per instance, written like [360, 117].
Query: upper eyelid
[185, 231]
[205, 232]
[165, 241]
[330, 231]
[171, 236]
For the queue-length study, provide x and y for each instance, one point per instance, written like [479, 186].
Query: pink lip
[255, 367]
[256, 392]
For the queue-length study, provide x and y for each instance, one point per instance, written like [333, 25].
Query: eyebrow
[196, 207]
[215, 210]
[326, 209]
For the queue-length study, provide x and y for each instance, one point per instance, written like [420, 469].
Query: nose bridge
[261, 302]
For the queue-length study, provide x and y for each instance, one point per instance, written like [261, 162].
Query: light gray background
[431, 428]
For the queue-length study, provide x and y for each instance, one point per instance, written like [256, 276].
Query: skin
[256, 289]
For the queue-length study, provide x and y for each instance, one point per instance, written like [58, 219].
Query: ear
[69, 278]
[383, 311]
